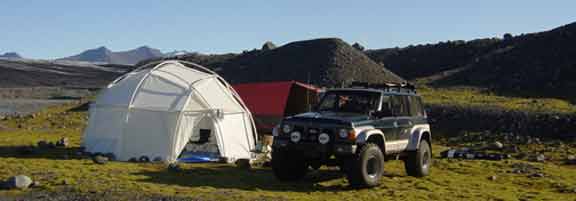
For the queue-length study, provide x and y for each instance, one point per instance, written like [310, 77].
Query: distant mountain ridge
[104, 55]
[10, 55]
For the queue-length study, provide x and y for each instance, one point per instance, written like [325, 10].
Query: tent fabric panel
[195, 102]
[120, 92]
[265, 99]
[216, 96]
[104, 131]
[183, 73]
[149, 133]
[161, 94]
[237, 136]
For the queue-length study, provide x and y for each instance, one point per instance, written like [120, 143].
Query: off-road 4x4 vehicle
[357, 129]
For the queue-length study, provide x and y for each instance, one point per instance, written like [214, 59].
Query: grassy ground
[62, 171]
[474, 97]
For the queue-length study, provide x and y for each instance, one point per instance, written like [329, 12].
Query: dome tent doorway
[155, 110]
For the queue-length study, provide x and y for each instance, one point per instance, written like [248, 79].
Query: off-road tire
[365, 169]
[288, 166]
[418, 162]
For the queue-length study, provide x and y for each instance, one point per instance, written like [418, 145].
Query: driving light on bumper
[295, 136]
[343, 133]
[323, 138]
[286, 128]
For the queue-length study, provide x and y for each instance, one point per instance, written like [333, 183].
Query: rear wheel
[418, 163]
[366, 168]
[288, 166]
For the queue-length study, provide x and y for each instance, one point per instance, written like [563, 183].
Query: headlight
[323, 138]
[295, 136]
[286, 128]
[343, 133]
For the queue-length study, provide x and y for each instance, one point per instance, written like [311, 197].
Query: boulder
[243, 164]
[63, 142]
[174, 167]
[496, 146]
[42, 144]
[110, 156]
[144, 159]
[99, 159]
[493, 178]
[540, 158]
[268, 46]
[19, 182]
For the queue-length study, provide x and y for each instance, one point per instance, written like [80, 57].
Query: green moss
[474, 97]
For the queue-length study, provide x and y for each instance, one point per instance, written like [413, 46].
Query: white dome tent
[154, 112]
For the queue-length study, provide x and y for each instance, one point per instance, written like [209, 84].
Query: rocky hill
[104, 55]
[536, 64]
[328, 61]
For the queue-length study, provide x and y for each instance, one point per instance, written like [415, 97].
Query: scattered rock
[537, 174]
[243, 164]
[540, 158]
[174, 167]
[110, 156]
[42, 144]
[63, 142]
[524, 168]
[144, 159]
[493, 178]
[496, 146]
[99, 159]
[19, 182]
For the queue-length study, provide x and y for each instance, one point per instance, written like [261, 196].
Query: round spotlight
[286, 128]
[343, 133]
[323, 138]
[295, 136]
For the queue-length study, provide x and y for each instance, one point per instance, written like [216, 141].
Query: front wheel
[288, 166]
[418, 162]
[366, 168]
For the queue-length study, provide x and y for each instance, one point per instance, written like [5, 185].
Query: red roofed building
[269, 102]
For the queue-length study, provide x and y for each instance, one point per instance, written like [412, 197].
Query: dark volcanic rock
[324, 62]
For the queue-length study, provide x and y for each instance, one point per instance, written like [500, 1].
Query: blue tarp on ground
[198, 157]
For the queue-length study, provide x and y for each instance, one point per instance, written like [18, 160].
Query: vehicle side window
[400, 106]
[416, 106]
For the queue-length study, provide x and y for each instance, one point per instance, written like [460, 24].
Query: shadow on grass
[56, 153]
[229, 177]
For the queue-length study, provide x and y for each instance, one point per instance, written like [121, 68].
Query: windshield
[349, 101]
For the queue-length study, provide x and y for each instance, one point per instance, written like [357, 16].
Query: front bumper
[316, 149]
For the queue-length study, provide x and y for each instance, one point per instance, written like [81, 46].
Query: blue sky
[53, 29]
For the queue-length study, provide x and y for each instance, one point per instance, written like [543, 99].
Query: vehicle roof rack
[387, 86]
